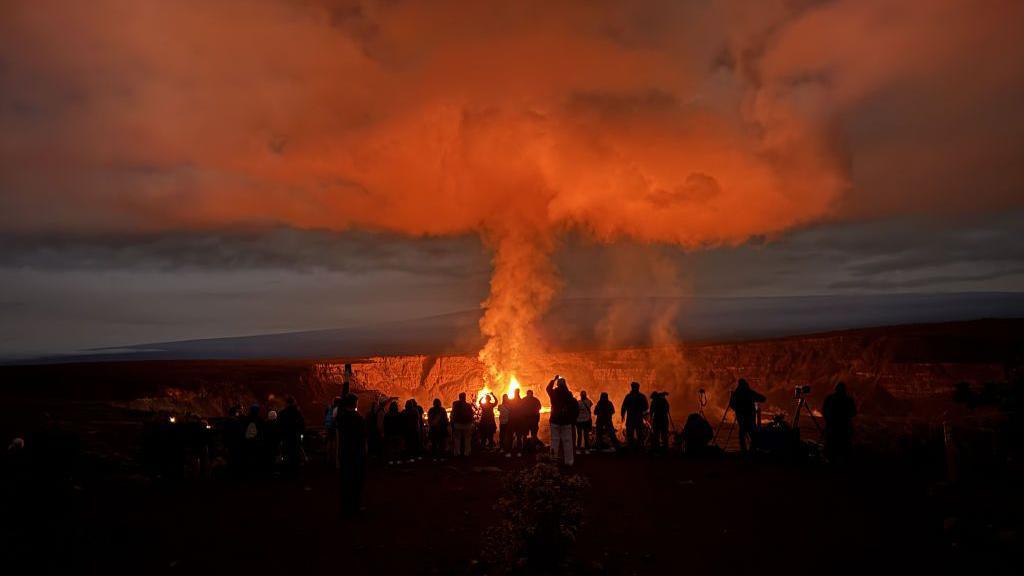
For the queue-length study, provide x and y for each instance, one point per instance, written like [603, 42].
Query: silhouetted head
[841, 388]
[742, 385]
[583, 394]
[529, 393]
[604, 396]
[634, 386]
[409, 404]
[504, 398]
[290, 401]
[393, 408]
[437, 402]
[462, 396]
[254, 410]
[562, 384]
[349, 403]
[519, 395]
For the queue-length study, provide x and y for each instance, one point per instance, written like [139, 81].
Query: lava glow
[513, 385]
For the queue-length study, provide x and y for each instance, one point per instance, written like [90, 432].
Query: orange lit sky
[704, 125]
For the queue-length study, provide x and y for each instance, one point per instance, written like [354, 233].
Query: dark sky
[192, 169]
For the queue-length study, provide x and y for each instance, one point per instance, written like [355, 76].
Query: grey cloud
[274, 248]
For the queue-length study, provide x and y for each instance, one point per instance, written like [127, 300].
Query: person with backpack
[583, 423]
[437, 419]
[462, 425]
[564, 412]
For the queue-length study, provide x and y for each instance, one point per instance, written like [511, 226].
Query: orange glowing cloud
[683, 123]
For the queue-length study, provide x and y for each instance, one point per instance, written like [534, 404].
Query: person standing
[603, 412]
[583, 423]
[351, 455]
[393, 433]
[504, 425]
[659, 421]
[532, 408]
[462, 424]
[292, 426]
[564, 411]
[518, 417]
[743, 403]
[487, 424]
[437, 419]
[633, 410]
[838, 410]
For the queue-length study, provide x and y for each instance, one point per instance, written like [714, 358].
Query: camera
[801, 391]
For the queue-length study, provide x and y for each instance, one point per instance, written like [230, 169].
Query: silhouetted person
[659, 420]
[331, 431]
[394, 430]
[743, 403]
[505, 425]
[531, 408]
[462, 425]
[412, 419]
[351, 454]
[233, 432]
[518, 422]
[374, 432]
[603, 412]
[633, 410]
[271, 443]
[487, 424]
[697, 434]
[584, 422]
[437, 419]
[292, 426]
[253, 430]
[839, 410]
[564, 411]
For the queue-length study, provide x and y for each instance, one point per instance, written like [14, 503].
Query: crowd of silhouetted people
[255, 444]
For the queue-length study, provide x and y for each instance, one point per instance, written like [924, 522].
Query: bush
[540, 516]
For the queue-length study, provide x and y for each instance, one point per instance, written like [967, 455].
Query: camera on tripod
[799, 391]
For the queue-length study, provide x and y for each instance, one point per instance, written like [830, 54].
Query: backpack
[252, 431]
[570, 410]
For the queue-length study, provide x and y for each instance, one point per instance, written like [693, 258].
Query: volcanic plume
[691, 124]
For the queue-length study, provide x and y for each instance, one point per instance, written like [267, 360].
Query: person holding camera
[564, 411]
[743, 403]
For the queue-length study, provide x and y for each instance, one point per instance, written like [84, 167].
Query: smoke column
[685, 123]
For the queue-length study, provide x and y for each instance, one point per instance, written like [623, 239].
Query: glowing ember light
[173, 419]
[513, 385]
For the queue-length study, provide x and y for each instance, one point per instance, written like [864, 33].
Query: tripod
[801, 404]
[728, 406]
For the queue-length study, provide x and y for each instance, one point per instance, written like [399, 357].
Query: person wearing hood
[564, 411]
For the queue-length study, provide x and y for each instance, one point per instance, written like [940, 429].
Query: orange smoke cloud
[690, 124]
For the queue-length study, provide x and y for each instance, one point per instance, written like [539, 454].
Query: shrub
[540, 516]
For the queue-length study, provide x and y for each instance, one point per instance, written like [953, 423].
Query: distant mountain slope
[593, 324]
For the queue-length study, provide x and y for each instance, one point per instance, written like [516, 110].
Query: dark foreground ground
[643, 515]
